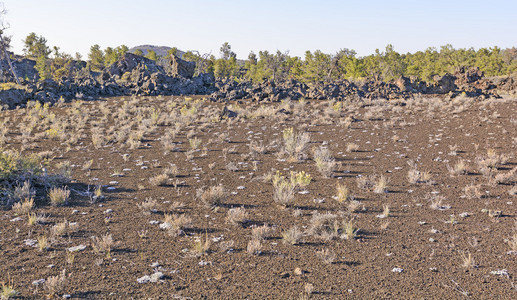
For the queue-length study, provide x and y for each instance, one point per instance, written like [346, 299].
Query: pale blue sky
[328, 25]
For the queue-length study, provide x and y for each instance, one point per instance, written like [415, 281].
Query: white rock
[38, 282]
[144, 279]
[397, 270]
[77, 248]
[165, 226]
[156, 276]
[30, 242]
[502, 272]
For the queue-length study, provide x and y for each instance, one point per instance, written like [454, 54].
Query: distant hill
[160, 50]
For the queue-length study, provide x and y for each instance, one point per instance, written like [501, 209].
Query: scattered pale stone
[108, 211]
[464, 214]
[502, 272]
[241, 187]
[77, 248]
[156, 276]
[38, 282]
[154, 222]
[397, 270]
[144, 279]
[165, 226]
[16, 219]
[30, 242]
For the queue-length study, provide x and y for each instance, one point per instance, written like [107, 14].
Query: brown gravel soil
[442, 226]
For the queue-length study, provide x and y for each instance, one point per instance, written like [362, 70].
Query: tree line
[314, 66]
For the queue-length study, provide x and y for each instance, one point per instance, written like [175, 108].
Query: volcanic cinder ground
[440, 226]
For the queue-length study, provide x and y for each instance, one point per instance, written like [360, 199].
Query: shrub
[325, 163]
[283, 190]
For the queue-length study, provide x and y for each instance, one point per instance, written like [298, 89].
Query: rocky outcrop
[13, 98]
[137, 75]
[180, 67]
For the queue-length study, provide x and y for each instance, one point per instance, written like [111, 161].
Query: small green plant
[103, 244]
[194, 143]
[292, 236]
[283, 190]
[342, 193]
[349, 232]
[201, 247]
[55, 284]
[300, 179]
[59, 196]
[8, 290]
[380, 185]
[325, 163]
[43, 243]
[212, 197]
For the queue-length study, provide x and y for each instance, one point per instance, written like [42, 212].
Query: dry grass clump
[416, 176]
[7, 289]
[459, 168]
[473, 191]
[354, 206]
[326, 255]
[292, 236]
[148, 206]
[325, 163]
[294, 144]
[283, 189]
[436, 202]
[367, 182]
[201, 247]
[348, 232]
[59, 196]
[260, 232]
[509, 177]
[43, 242]
[342, 193]
[237, 216]
[512, 242]
[159, 180]
[33, 219]
[324, 226]
[212, 197]
[176, 224]
[62, 228]
[380, 185]
[254, 247]
[23, 207]
[104, 244]
[352, 147]
[467, 260]
[55, 285]
[513, 191]
[491, 159]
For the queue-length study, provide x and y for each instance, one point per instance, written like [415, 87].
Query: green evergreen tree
[96, 58]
